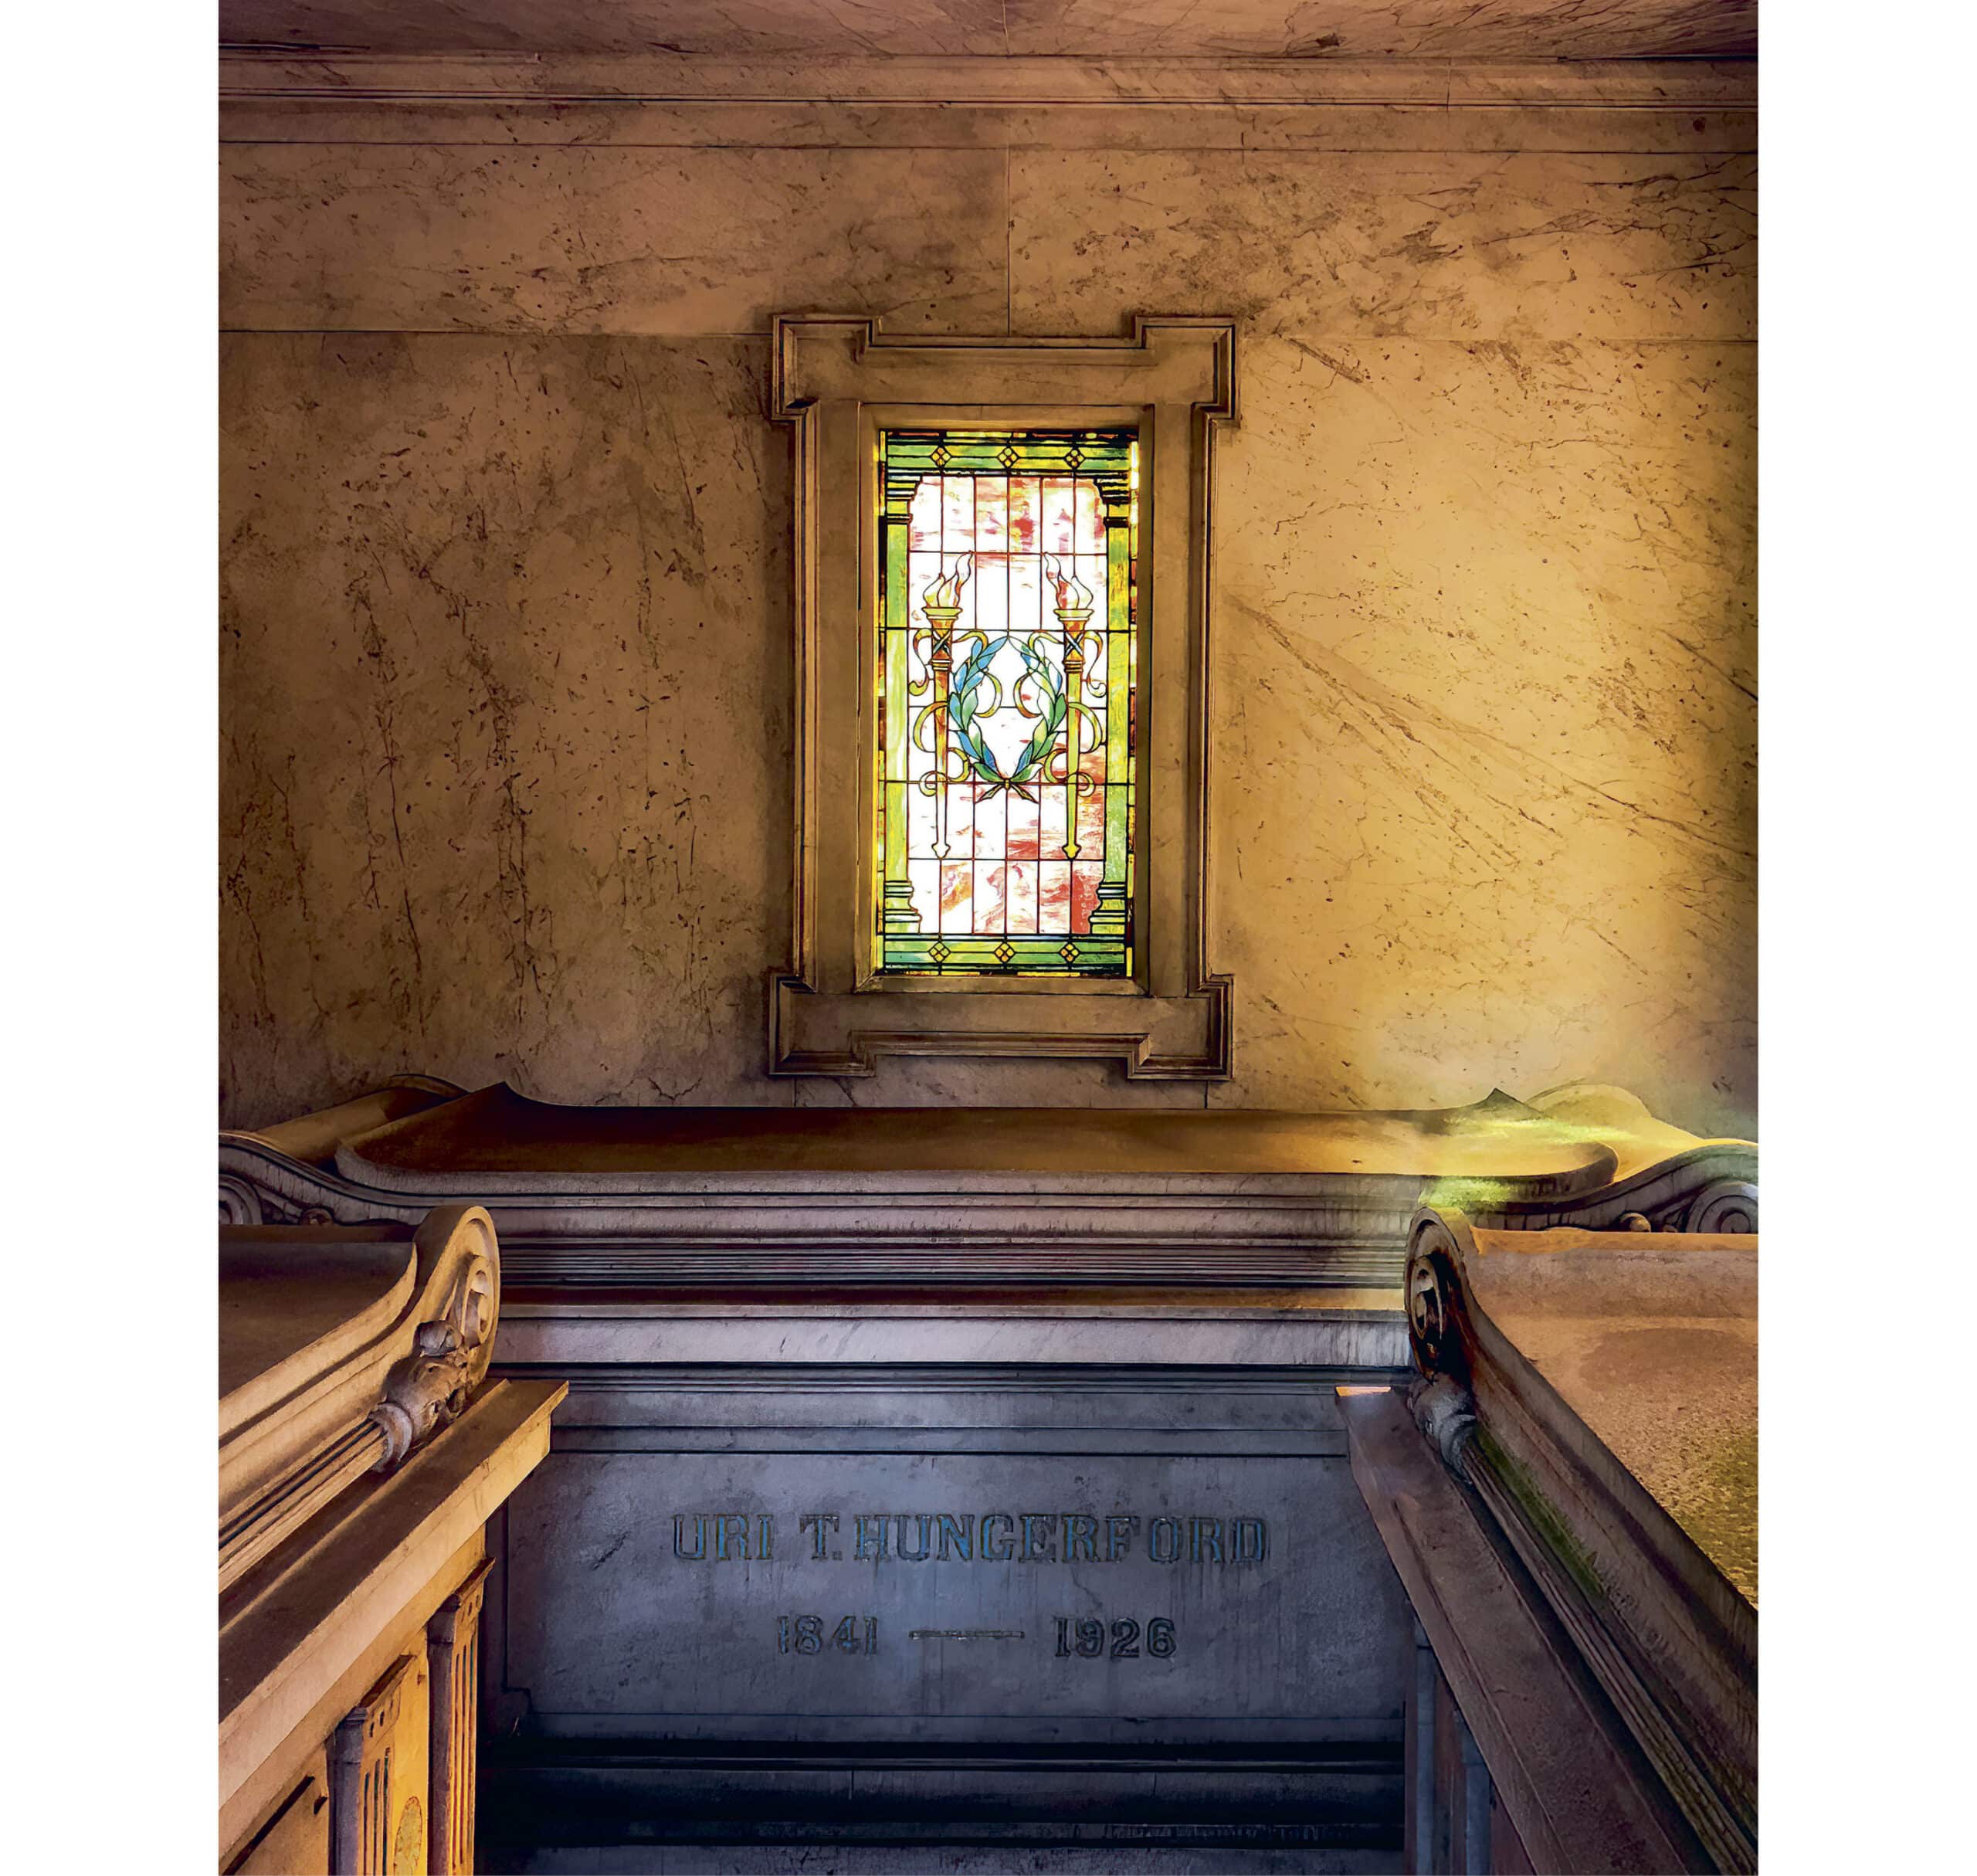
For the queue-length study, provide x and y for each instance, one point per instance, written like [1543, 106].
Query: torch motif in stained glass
[1005, 756]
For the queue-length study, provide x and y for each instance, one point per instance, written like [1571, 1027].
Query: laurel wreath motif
[968, 708]
[1047, 706]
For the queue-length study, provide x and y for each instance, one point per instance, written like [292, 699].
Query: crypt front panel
[1021, 1601]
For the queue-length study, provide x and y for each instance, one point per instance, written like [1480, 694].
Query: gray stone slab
[1089, 1595]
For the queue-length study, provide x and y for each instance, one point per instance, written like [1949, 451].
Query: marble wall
[506, 636]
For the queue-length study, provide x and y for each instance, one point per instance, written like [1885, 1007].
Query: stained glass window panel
[1005, 756]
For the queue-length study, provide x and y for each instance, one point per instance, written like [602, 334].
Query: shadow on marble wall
[507, 716]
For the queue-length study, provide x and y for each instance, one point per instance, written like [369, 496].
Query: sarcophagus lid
[340, 1350]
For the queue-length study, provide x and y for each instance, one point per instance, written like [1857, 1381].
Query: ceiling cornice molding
[567, 81]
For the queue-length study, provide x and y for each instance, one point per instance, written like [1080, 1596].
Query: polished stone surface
[1596, 1393]
[947, 1211]
[287, 1295]
[360, 1456]
[1570, 1780]
[507, 797]
[657, 100]
[664, 1565]
[549, 1330]
[1502, 644]
[1004, 1858]
[317, 1327]
[302, 1636]
[1651, 1339]
[611, 1632]
[496, 1131]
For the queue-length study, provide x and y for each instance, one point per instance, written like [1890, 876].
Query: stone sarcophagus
[1568, 1488]
[362, 1446]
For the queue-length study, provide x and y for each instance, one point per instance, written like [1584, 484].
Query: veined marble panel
[1484, 804]
[1363, 1328]
[406, 238]
[507, 635]
[1355, 28]
[694, 28]
[1518, 248]
[1389, 29]
[509, 800]
[504, 762]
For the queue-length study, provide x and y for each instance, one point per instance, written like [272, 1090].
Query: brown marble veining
[505, 616]
[505, 741]
[1444, 245]
[1494, 635]
[1308, 29]
[402, 238]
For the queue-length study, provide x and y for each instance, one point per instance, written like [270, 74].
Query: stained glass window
[1006, 719]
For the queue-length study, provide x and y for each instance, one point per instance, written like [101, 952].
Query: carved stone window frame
[837, 381]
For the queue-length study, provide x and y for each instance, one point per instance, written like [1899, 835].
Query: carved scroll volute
[1727, 1205]
[427, 1390]
[1441, 1402]
[1435, 1245]
[239, 1203]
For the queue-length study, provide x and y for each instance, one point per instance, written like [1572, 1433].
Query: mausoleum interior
[988, 937]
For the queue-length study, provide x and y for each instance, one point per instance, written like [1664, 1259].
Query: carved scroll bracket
[1443, 1406]
[426, 1391]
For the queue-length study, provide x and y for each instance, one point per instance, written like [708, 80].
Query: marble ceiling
[1469, 29]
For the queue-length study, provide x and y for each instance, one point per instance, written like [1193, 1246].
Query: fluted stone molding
[378, 1787]
[1446, 1412]
[453, 1644]
[1443, 1408]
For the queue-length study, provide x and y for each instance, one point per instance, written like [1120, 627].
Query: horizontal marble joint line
[676, 341]
[1138, 1379]
[617, 100]
[630, 79]
[1725, 140]
[1368, 130]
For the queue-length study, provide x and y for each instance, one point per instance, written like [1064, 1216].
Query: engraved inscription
[1084, 1635]
[1224, 1591]
[805, 1635]
[974, 1537]
[966, 1541]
